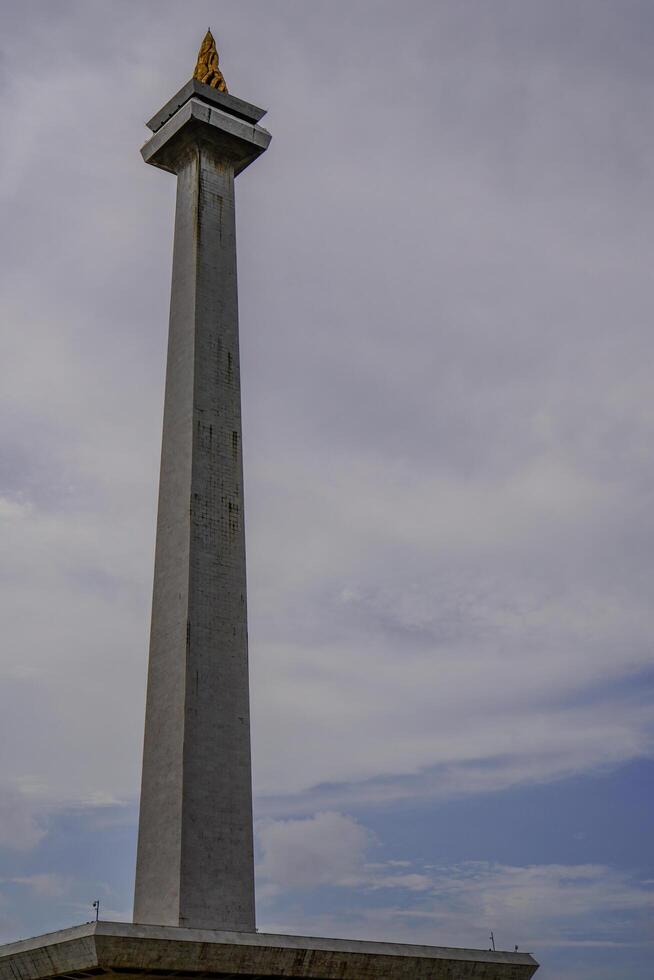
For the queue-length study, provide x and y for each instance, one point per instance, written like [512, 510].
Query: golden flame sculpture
[207, 69]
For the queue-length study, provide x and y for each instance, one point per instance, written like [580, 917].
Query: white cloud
[326, 849]
[537, 906]
[463, 719]
[20, 828]
[43, 885]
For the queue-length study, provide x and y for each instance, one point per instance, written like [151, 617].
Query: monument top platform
[199, 111]
[139, 951]
[222, 100]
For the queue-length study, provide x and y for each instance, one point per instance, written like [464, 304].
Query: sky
[445, 275]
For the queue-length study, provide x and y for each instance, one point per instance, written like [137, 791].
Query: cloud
[326, 849]
[43, 885]
[477, 687]
[546, 902]
[20, 828]
[537, 906]
[446, 391]
[445, 308]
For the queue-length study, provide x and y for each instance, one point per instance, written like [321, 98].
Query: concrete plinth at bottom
[133, 951]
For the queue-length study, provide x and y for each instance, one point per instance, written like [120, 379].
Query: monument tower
[194, 896]
[195, 863]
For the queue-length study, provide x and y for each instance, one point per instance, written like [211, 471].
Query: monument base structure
[99, 949]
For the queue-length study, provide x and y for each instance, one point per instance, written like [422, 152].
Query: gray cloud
[446, 309]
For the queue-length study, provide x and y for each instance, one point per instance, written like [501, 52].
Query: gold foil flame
[207, 70]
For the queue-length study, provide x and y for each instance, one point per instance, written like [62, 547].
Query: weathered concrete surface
[140, 951]
[195, 853]
[236, 140]
[237, 107]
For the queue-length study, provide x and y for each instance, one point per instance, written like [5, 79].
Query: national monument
[194, 913]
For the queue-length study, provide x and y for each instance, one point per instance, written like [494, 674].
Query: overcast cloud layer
[445, 268]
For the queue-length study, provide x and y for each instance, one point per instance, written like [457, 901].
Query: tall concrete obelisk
[195, 865]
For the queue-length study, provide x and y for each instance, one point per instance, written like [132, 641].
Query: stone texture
[195, 852]
[237, 107]
[135, 952]
[236, 140]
